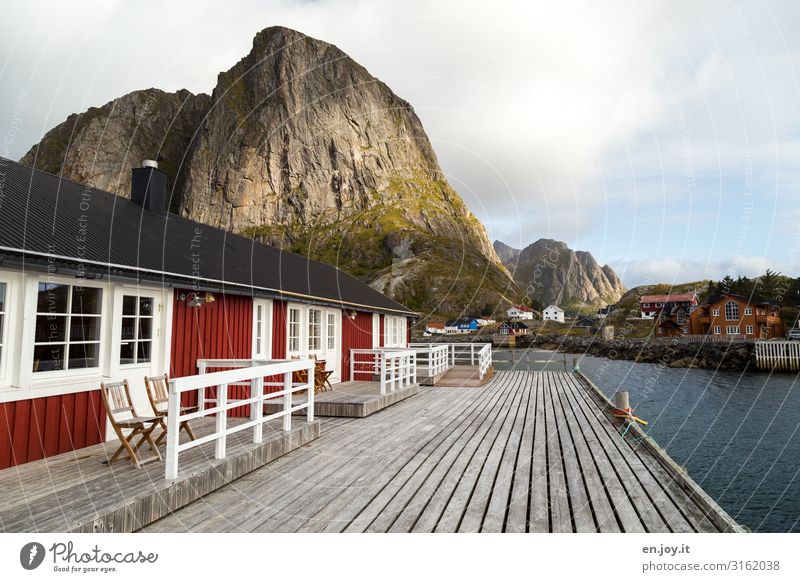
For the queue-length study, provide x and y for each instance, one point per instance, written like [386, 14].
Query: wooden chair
[158, 394]
[123, 416]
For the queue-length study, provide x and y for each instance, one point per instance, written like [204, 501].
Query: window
[395, 331]
[262, 328]
[645, 305]
[136, 343]
[732, 330]
[331, 331]
[67, 335]
[717, 330]
[715, 312]
[294, 329]
[2, 316]
[314, 330]
[681, 317]
[748, 311]
[749, 330]
[732, 311]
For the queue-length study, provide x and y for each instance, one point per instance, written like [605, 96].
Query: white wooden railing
[465, 354]
[778, 355]
[395, 368]
[433, 359]
[253, 376]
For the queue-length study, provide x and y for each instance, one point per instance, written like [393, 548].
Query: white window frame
[153, 328]
[748, 311]
[330, 331]
[4, 327]
[300, 335]
[262, 329]
[732, 330]
[715, 312]
[31, 309]
[734, 311]
[394, 331]
[314, 333]
[749, 330]
[717, 330]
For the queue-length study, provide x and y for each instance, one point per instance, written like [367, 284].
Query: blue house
[462, 325]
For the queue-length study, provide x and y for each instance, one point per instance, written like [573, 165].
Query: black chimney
[149, 187]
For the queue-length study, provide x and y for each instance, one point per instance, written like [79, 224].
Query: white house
[553, 313]
[519, 312]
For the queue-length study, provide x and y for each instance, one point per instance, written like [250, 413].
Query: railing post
[382, 357]
[352, 367]
[173, 437]
[201, 394]
[257, 408]
[413, 358]
[287, 401]
[310, 400]
[471, 354]
[222, 420]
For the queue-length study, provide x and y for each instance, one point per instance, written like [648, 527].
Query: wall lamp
[351, 314]
[197, 299]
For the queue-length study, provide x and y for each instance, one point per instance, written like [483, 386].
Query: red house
[96, 287]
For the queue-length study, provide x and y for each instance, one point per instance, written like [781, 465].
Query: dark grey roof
[45, 219]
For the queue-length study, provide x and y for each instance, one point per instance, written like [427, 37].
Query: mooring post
[622, 400]
[576, 367]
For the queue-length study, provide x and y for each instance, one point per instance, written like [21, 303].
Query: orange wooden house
[735, 316]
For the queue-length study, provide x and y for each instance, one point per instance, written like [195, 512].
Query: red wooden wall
[222, 329]
[279, 329]
[42, 427]
[356, 333]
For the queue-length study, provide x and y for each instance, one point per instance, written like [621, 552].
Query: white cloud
[673, 271]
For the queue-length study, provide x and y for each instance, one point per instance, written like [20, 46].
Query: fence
[395, 368]
[778, 355]
[465, 354]
[432, 359]
[256, 377]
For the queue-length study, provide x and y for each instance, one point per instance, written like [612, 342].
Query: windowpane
[294, 330]
[128, 305]
[50, 328]
[314, 329]
[83, 356]
[145, 328]
[143, 352]
[48, 358]
[128, 328]
[52, 298]
[145, 306]
[127, 353]
[2, 297]
[732, 310]
[84, 329]
[86, 300]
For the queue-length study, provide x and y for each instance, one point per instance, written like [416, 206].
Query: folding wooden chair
[158, 393]
[123, 416]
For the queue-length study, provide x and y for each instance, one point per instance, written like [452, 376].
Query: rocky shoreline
[674, 353]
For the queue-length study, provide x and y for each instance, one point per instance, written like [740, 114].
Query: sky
[663, 137]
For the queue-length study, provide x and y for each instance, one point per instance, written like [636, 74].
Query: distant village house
[519, 313]
[512, 328]
[553, 313]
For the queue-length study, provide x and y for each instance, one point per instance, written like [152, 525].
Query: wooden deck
[531, 452]
[78, 492]
[353, 399]
[464, 377]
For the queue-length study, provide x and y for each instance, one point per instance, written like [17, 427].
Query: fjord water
[737, 434]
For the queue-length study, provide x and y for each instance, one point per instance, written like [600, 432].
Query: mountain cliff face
[300, 147]
[548, 271]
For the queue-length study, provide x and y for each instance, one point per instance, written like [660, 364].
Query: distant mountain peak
[550, 272]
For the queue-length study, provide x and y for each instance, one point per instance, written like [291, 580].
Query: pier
[527, 452]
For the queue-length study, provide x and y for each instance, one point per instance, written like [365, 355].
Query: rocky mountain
[548, 271]
[299, 146]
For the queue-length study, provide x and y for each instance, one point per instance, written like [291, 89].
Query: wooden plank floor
[355, 398]
[531, 452]
[464, 377]
[78, 491]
